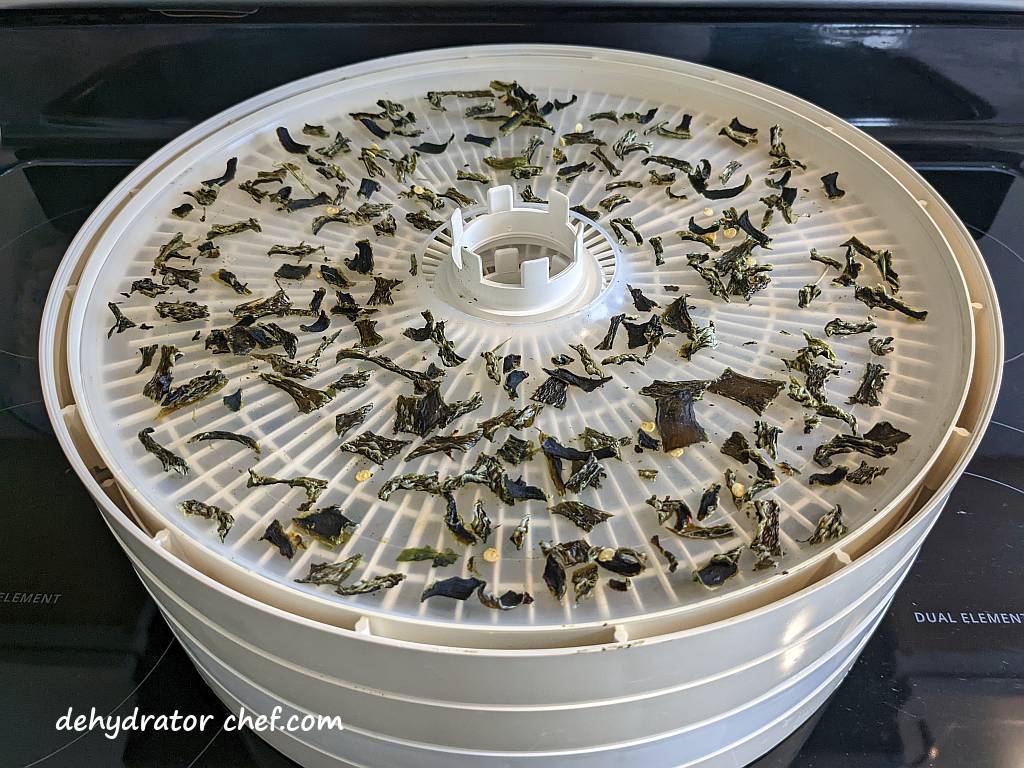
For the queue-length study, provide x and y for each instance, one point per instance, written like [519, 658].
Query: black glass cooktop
[86, 96]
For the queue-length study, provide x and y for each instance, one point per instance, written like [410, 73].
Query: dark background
[85, 96]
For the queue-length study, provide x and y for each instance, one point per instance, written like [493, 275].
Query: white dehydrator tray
[686, 660]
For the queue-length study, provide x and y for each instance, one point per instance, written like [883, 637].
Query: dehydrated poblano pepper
[865, 473]
[840, 327]
[328, 525]
[870, 386]
[331, 573]
[374, 447]
[369, 586]
[223, 519]
[437, 558]
[306, 399]
[192, 391]
[219, 434]
[169, 460]
[830, 181]
[721, 567]
[181, 311]
[756, 394]
[830, 526]
[883, 439]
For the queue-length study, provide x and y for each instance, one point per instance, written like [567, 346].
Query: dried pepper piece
[287, 543]
[880, 346]
[179, 311]
[425, 380]
[765, 542]
[369, 586]
[581, 137]
[169, 460]
[826, 260]
[437, 558]
[807, 294]
[834, 477]
[720, 567]
[224, 520]
[220, 230]
[374, 447]
[233, 402]
[830, 526]
[224, 277]
[737, 447]
[455, 587]
[755, 394]
[472, 138]
[491, 359]
[883, 439]
[306, 399]
[332, 574]
[515, 450]
[226, 177]
[420, 415]
[877, 297]
[609, 337]
[480, 523]
[344, 422]
[446, 444]
[479, 178]
[830, 181]
[219, 434]
[433, 148]
[766, 437]
[293, 271]
[276, 304]
[851, 270]
[586, 474]
[840, 327]
[674, 415]
[708, 501]
[552, 392]
[328, 525]
[622, 225]
[609, 166]
[148, 353]
[147, 288]
[882, 259]
[313, 486]
[584, 582]
[289, 144]
[738, 133]
[865, 473]
[180, 277]
[504, 602]
[510, 418]
[512, 382]
[160, 383]
[246, 335]
[870, 386]
[454, 522]
[623, 561]
[670, 558]
[192, 391]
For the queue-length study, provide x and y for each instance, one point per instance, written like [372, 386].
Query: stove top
[86, 96]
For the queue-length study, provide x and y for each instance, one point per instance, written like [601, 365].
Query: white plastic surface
[876, 208]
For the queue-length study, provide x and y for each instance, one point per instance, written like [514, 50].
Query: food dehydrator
[667, 673]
